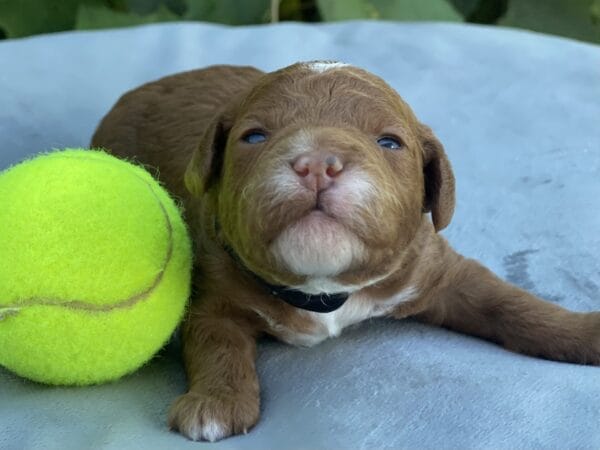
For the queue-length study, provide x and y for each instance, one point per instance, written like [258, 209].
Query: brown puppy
[308, 192]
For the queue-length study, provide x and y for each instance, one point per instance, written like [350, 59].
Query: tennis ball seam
[79, 305]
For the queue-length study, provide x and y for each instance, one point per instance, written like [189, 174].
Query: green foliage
[298, 10]
[596, 12]
[91, 17]
[571, 18]
[416, 10]
[481, 11]
[388, 10]
[579, 19]
[25, 17]
[231, 12]
[350, 9]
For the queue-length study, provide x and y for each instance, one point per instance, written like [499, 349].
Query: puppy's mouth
[317, 243]
[323, 213]
[318, 217]
[321, 206]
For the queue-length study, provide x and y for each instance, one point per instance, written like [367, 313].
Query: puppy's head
[320, 176]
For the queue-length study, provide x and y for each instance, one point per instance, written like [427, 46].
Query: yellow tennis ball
[95, 265]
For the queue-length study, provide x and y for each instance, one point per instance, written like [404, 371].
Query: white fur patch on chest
[355, 310]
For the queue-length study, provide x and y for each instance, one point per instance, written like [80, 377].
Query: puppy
[314, 197]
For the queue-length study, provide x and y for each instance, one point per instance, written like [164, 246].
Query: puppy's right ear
[204, 169]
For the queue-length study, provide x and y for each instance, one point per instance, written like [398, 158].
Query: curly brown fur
[367, 232]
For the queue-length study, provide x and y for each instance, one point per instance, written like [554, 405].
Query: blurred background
[578, 19]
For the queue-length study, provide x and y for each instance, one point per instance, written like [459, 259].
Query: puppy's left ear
[439, 179]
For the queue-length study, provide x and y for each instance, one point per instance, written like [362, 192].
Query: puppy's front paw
[213, 417]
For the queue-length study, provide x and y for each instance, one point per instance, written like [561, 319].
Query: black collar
[321, 303]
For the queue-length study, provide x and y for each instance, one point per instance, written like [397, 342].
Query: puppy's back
[159, 124]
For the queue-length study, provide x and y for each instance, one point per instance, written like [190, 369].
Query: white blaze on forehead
[323, 66]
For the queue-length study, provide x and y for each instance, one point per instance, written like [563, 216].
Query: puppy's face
[320, 176]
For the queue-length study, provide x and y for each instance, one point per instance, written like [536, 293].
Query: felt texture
[518, 113]
[97, 267]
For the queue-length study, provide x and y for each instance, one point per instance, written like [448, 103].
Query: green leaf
[177, 6]
[291, 10]
[141, 7]
[90, 17]
[332, 10]
[466, 7]
[388, 10]
[595, 11]
[481, 11]
[144, 7]
[231, 12]
[26, 17]
[570, 18]
[416, 10]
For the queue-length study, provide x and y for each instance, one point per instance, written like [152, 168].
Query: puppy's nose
[317, 170]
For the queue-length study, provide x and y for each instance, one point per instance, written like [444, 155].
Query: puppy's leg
[219, 351]
[473, 300]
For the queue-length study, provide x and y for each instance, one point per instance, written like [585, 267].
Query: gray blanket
[519, 114]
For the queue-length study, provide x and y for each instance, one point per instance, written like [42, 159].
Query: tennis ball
[95, 265]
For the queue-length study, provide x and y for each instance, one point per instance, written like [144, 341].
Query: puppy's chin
[317, 245]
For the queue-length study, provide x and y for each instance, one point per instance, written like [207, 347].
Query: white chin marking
[317, 246]
[323, 66]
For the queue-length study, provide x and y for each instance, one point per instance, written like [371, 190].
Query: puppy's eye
[254, 137]
[389, 142]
